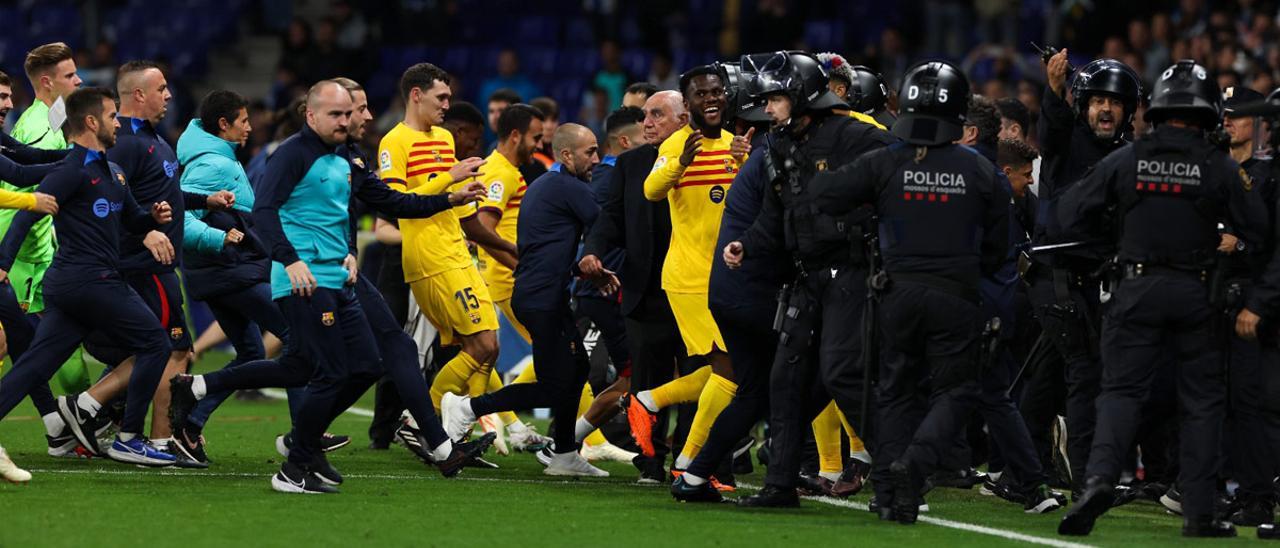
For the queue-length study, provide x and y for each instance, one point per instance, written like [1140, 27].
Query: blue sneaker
[139, 451]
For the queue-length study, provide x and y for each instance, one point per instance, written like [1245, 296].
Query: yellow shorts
[505, 307]
[456, 302]
[698, 329]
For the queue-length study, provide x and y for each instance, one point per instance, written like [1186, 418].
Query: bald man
[557, 208]
[302, 217]
[643, 229]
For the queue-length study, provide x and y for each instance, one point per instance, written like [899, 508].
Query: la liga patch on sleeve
[384, 160]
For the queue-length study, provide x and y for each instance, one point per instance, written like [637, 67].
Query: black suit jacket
[629, 221]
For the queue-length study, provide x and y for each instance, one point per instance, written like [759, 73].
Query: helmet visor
[765, 73]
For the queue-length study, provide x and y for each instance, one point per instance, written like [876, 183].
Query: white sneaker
[490, 423]
[456, 415]
[10, 471]
[572, 464]
[527, 439]
[544, 456]
[607, 452]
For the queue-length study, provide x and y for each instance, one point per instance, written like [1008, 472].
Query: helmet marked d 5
[1186, 91]
[1111, 77]
[933, 104]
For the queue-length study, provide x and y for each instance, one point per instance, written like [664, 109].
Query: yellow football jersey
[696, 196]
[504, 189]
[418, 162]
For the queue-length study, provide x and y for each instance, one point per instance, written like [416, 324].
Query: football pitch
[391, 499]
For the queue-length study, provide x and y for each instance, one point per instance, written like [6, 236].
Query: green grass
[390, 499]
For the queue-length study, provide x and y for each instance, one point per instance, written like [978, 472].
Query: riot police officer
[820, 312]
[1062, 286]
[1171, 189]
[869, 95]
[943, 226]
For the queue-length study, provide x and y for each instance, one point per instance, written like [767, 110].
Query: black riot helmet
[933, 104]
[1185, 91]
[1111, 77]
[797, 74]
[731, 76]
[868, 92]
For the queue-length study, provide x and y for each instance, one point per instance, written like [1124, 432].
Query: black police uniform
[943, 226]
[1253, 426]
[819, 332]
[1172, 189]
[1063, 287]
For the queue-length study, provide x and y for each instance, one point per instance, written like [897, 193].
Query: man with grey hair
[643, 229]
[556, 210]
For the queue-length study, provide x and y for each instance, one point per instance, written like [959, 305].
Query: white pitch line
[278, 394]
[958, 525]
[426, 477]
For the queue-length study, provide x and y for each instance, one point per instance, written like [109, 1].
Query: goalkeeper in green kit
[52, 72]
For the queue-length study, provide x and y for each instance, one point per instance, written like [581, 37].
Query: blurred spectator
[946, 27]
[551, 110]
[661, 73]
[352, 31]
[595, 108]
[497, 102]
[295, 47]
[509, 77]
[97, 67]
[611, 78]
[1015, 119]
[637, 94]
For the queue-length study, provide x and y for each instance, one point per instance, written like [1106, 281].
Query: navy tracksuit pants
[107, 305]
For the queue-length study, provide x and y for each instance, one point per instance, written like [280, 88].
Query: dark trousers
[1151, 317]
[400, 361]
[387, 406]
[928, 379]
[1253, 434]
[752, 344]
[19, 332]
[657, 351]
[561, 365]
[243, 314]
[1069, 314]
[818, 360]
[1009, 436]
[107, 305]
[1042, 397]
[330, 331]
[605, 315]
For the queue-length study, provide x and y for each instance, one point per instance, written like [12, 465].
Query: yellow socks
[826, 434]
[715, 397]
[686, 389]
[584, 403]
[453, 378]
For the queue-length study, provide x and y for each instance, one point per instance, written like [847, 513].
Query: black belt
[946, 285]
[1133, 271]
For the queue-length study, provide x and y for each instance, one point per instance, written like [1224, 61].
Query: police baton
[1049, 249]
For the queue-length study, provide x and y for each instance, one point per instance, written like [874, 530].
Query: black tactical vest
[1169, 214]
[815, 238]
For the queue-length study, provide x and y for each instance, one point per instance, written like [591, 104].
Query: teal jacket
[208, 165]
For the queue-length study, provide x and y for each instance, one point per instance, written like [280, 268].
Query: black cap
[1237, 96]
[933, 104]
